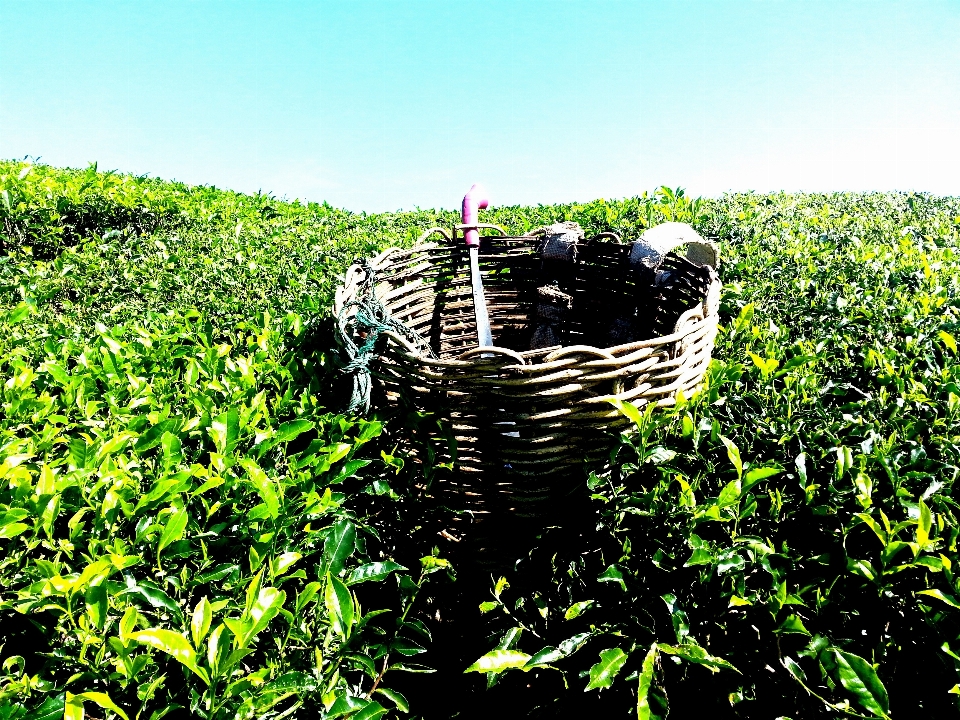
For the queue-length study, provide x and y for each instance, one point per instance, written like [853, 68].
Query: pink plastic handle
[475, 199]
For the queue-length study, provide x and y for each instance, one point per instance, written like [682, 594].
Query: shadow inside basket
[430, 292]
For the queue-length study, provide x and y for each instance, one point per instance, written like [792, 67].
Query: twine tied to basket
[370, 319]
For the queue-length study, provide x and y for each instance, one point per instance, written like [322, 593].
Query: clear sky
[387, 104]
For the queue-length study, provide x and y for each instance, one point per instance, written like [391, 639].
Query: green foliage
[796, 517]
[47, 210]
[186, 524]
[177, 519]
[166, 527]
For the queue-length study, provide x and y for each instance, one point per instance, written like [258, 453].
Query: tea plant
[791, 528]
[188, 527]
[173, 511]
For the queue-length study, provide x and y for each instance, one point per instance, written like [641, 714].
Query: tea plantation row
[189, 528]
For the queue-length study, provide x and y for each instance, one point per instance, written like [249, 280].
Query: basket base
[493, 521]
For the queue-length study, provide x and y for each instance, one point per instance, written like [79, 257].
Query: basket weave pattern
[520, 415]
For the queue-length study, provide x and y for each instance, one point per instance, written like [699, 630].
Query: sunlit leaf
[603, 672]
[173, 528]
[339, 545]
[696, 654]
[498, 661]
[264, 486]
[948, 340]
[151, 438]
[941, 596]
[644, 711]
[291, 430]
[860, 679]
[755, 475]
[629, 410]
[375, 572]
[173, 644]
[793, 624]
[339, 604]
[733, 452]
[577, 609]
[225, 430]
[200, 621]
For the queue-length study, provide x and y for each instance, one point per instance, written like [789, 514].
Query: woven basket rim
[616, 351]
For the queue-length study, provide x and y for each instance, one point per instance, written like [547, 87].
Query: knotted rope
[370, 319]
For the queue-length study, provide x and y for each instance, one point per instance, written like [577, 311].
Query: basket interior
[432, 294]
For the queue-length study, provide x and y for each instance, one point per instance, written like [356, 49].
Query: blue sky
[381, 105]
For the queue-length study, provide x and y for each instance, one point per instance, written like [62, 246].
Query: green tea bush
[189, 528]
[791, 530]
[176, 530]
[47, 210]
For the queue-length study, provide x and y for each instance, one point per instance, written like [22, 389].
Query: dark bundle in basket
[576, 323]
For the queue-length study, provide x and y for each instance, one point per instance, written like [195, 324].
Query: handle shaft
[475, 199]
[484, 336]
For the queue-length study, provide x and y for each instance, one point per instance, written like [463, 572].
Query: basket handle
[477, 226]
[657, 241]
[452, 236]
[603, 236]
[431, 231]
[543, 229]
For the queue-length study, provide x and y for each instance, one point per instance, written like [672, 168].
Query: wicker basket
[521, 416]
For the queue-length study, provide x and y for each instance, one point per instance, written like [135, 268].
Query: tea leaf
[173, 644]
[644, 712]
[733, 452]
[498, 660]
[339, 545]
[696, 654]
[396, 698]
[602, 673]
[173, 528]
[74, 704]
[375, 572]
[52, 708]
[339, 604]
[264, 486]
[200, 622]
[577, 609]
[291, 430]
[860, 678]
[225, 430]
